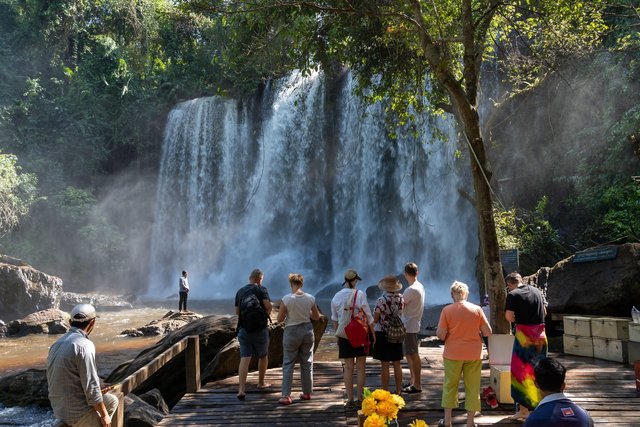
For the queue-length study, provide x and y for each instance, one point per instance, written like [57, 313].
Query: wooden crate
[579, 346]
[610, 349]
[616, 328]
[577, 325]
[634, 352]
[634, 332]
[500, 377]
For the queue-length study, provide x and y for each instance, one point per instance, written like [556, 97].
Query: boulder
[3, 329]
[606, 287]
[25, 388]
[155, 399]
[25, 290]
[214, 331]
[170, 322]
[226, 361]
[50, 321]
[99, 301]
[138, 413]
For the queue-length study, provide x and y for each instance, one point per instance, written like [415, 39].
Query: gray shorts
[410, 344]
[254, 344]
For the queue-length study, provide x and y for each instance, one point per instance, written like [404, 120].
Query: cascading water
[305, 180]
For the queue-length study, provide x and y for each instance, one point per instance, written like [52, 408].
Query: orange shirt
[462, 321]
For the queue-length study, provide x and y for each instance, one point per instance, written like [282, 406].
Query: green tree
[392, 45]
[17, 193]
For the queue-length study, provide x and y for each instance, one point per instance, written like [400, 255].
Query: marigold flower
[418, 423]
[368, 406]
[381, 395]
[375, 420]
[388, 409]
[398, 400]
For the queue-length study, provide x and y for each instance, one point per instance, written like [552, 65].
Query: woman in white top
[341, 309]
[297, 310]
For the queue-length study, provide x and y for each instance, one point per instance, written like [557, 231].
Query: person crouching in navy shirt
[555, 409]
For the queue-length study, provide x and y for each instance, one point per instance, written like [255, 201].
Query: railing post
[192, 367]
[118, 417]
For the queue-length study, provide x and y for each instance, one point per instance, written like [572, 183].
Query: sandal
[305, 396]
[411, 390]
[442, 424]
[285, 400]
[241, 396]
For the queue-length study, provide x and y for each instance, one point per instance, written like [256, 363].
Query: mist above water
[304, 179]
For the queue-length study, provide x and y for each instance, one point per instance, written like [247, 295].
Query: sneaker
[285, 400]
[305, 396]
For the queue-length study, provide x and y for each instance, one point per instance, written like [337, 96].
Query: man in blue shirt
[555, 409]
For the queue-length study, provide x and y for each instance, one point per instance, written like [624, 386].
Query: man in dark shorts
[254, 343]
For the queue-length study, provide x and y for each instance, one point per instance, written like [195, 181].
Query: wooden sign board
[596, 254]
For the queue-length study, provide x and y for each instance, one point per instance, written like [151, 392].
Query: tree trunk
[481, 174]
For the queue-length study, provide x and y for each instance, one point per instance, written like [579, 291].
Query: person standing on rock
[525, 306]
[183, 283]
[412, 317]
[74, 386]
[253, 308]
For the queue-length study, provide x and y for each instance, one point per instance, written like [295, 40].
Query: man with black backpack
[253, 308]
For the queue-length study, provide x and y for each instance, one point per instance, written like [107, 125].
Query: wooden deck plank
[605, 389]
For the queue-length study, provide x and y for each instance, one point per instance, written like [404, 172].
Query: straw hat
[390, 284]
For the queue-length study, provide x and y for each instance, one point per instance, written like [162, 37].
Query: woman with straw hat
[388, 352]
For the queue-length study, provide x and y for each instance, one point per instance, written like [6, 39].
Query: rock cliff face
[26, 290]
[606, 287]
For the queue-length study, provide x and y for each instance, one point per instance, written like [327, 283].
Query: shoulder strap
[353, 306]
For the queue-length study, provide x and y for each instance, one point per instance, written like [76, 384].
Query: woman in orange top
[461, 327]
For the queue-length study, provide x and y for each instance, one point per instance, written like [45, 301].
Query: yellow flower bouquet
[381, 407]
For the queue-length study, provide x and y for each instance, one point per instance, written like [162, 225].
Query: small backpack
[394, 329]
[253, 316]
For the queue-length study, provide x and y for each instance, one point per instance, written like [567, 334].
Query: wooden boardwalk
[605, 389]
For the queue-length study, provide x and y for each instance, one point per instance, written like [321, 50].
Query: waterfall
[305, 179]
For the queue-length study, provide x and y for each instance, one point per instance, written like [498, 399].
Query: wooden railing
[190, 345]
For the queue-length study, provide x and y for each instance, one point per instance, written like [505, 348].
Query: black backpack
[253, 317]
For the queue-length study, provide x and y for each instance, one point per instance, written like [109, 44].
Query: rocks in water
[50, 321]
[25, 388]
[100, 302]
[25, 290]
[605, 287]
[170, 322]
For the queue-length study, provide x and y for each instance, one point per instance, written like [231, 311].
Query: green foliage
[607, 198]
[530, 232]
[17, 193]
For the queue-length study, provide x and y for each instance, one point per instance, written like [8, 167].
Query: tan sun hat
[390, 284]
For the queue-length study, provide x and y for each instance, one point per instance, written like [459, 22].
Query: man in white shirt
[411, 317]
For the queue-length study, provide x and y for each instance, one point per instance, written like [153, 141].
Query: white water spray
[302, 181]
